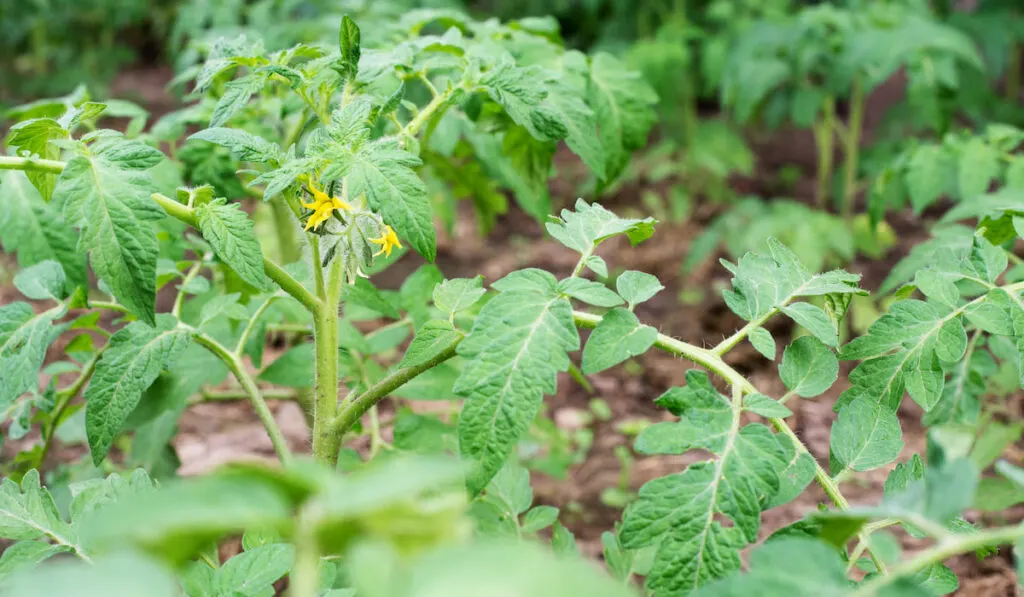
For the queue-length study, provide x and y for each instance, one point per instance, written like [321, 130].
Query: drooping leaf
[34, 230]
[133, 360]
[623, 106]
[230, 232]
[112, 206]
[513, 354]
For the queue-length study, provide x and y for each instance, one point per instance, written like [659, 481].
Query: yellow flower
[322, 206]
[387, 241]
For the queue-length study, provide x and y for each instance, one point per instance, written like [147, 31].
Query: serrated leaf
[681, 513]
[521, 92]
[513, 354]
[348, 43]
[618, 336]
[459, 294]
[32, 228]
[866, 436]
[384, 173]
[764, 282]
[433, 338]
[766, 407]
[637, 287]
[134, 358]
[790, 567]
[24, 555]
[539, 518]
[581, 130]
[808, 367]
[44, 280]
[35, 137]
[763, 342]
[978, 165]
[590, 292]
[29, 512]
[623, 106]
[815, 320]
[253, 572]
[927, 175]
[232, 235]
[243, 145]
[113, 208]
[237, 94]
[24, 338]
[590, 224]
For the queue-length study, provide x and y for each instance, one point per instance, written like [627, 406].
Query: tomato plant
[348, 151]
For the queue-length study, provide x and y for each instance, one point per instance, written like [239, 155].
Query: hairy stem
[15, 163]
[64, 398]
[824, 139]
[326, 443]
[851, 149]
[953, 545]
[284, 227]
[259, 405]
[189, 276]
[357, 407]
[439, 102]
[251, 325]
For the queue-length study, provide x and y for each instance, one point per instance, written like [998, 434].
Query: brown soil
[214, 433]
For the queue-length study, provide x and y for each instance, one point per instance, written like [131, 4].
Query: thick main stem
[824, 138]
[851, 149]
[327, 443]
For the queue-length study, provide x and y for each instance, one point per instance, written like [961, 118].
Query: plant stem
[1013, 67]
[326, 442]
[851, 150]
[357, 407]
[712, 360]
[424, 116]
[284, 226]
[824, 139]
[180, 299]
[953, 545]
[64, 398]
[15, 163]
[304, 580]
[259, 405]
[271, 394]
[251, 325]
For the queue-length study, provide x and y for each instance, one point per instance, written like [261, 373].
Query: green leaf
[683, 513]
[223, 304]
[44, 280]
[25, 555]
[243, 145]
[902, 350]
[365, 294]
[231, 234]
[293, 369]
[790, 567]
[518, 344]
[760, 404]
[29, 512]
[764, 282]
[384, 173]
[521, 91]
[433, 338]
[978, 165]
[927, 176]
[763, 342]
[134, 358]
[590, 292]
[637, 287]
[237, 94]
[348, 42]
[582, 133]
[815, 320]
[120, 575]
[253, 572]
[113, 208]
[866, 436]
[24, 338]
[539, 518]
[183, 517]
[33, 229]
[459, 294]
[808, 367]
[35, 137]
[937, 580]
[563, 542]
[591, 224]
[623, 107]
[618, 336]
[991, 444]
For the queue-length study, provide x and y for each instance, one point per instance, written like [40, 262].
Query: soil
[214, 433]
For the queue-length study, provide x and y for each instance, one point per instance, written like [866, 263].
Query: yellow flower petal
[387, 241]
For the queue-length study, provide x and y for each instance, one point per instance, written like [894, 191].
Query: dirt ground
[214, 433]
